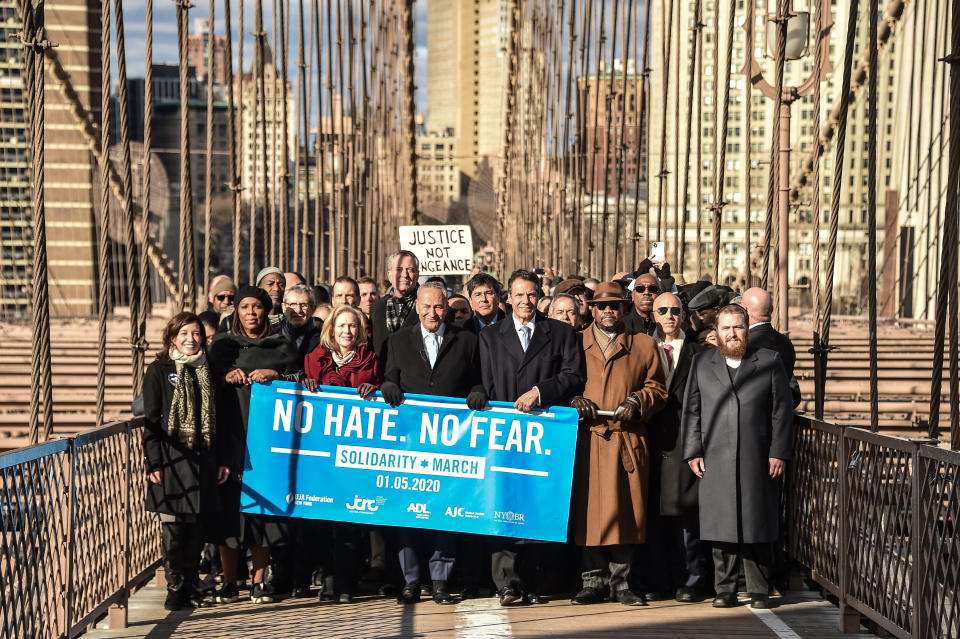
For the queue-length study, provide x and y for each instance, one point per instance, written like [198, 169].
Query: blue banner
[429, 463]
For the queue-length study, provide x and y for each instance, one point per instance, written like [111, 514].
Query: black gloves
[586, 408]
[391, 393]
[477, 400]
[643, 268]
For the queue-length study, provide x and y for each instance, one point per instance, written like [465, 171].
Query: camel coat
[612, 466]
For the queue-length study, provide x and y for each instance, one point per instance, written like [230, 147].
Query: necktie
[524, 337]
[433, 346]
[668, 349]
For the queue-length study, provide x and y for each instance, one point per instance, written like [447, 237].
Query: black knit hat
[257, 292]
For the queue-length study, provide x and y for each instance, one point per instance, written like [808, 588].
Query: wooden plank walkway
[801, 614]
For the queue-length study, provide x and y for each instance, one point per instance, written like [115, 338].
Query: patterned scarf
[606, 344]
[398, 308]
[342, 360]
[182, 420]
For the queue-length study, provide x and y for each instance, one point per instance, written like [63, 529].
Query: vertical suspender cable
[144, 307]
[621, 156]
[748, 178]
[284, 225]
[235, 148]
[103, 251]
[410, 108]
[32, 39]
[642, 128]
[644, 138]
[129, 216]
[698, 192]
[662, 176]
[838, 174]
[817, 152]
[188, 274]
[720, 201]
[774, 180]
[694, 52]
[208, 181]
[947, 286]
[872, 218]
[260, 117]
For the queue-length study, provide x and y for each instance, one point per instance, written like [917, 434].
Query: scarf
[397, 310]
[603, 342]
[342, 360]
[182, 420]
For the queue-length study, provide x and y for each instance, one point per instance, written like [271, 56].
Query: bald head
[668, 314]
[758, 303]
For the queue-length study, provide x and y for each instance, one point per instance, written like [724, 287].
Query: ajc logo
[454, 512]
[365, 505]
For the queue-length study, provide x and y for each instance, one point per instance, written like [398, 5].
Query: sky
[165, 34]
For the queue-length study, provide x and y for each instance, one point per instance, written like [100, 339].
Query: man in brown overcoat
[623, 376]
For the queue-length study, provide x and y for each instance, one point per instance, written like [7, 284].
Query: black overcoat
[670, 477]
[766, 336]
[456, 372]
[736, 427]
[552, 362]
[189, 475]
[379, 335]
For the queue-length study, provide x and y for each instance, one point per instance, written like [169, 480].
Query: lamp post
[798, 33]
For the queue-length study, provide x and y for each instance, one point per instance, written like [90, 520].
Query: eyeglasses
[224, 297]
[673, 310]
[607, 305]
[300, 306]
[640, 288]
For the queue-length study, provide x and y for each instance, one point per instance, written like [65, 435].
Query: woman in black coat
[180, 445]
[251, 353]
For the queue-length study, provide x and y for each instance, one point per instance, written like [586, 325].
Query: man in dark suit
[483, 290]
[759, 306]
[431, 358]
[670, 564]
[394, 311]
[737, 426]
[532, 361]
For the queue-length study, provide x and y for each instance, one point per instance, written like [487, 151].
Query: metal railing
[74, 537]
[873, 517]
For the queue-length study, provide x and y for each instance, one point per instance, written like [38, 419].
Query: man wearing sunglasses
[640, 318]
[671, 560]
[624, 376]
[222, 292]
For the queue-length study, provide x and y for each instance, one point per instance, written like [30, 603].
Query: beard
[732, 351]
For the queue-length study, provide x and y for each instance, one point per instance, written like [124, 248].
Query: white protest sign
[442, 250]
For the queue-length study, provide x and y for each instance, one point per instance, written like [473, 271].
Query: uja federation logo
[366, 505]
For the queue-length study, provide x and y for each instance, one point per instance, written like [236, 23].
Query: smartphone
[657, 251]
[538, 271]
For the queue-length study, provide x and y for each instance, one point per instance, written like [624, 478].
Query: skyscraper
[197, 52]
[466, 76]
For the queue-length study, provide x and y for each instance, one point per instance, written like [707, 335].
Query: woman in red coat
[342, 359]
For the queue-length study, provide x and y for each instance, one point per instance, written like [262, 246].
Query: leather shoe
[509, 596]
[409, 595]
[759, 602]
[725, 600]
[587, 596]
[534, 598]
[628, 598]
[441, 594]
[655, 595]
[686, 595]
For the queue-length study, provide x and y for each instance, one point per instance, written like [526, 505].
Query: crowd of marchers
[685, 396]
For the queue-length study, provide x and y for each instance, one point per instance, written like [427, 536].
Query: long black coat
[552, 362]
[670, 477]
[736, 427]
[189, 475]
[379, 335]
[766, 336]
[456, 372]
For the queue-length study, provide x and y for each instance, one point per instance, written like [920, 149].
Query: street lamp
[798, 35]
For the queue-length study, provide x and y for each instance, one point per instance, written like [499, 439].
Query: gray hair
[435, 286]
[401, 254]
[564, 296]
[300, 289]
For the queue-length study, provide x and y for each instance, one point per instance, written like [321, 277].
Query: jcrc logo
[366, 505]
[455, 512]
[508, 516]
